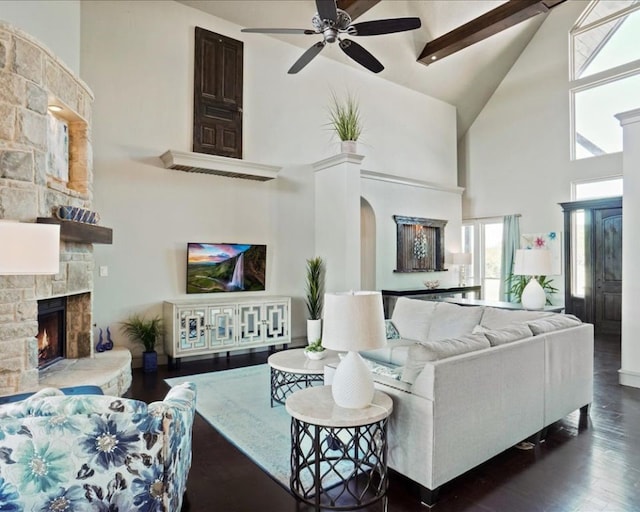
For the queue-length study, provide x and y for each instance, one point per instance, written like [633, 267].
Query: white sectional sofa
[469, 382]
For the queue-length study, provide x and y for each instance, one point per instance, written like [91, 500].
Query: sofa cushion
[412, 317]
[553, 323]
[420, 353]
[451, 320]
[496, 318]
[507, 334]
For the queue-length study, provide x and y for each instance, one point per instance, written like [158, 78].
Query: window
[594, 189]
[605, 75]
[486, 251]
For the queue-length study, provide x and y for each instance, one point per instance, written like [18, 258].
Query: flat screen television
[216, 267]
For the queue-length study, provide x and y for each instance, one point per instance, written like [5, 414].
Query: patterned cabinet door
[221, 326]
[250, 324]
[277, 321]
[192, 333]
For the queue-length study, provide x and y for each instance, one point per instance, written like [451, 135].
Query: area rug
[237, 404]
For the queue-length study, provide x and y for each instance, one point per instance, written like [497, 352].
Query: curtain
[510, 242]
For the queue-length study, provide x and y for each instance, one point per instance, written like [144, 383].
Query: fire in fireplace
[51, 331]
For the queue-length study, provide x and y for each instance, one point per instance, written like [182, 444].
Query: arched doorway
[367, 246]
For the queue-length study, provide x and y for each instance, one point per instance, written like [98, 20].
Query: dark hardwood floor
[579, 468]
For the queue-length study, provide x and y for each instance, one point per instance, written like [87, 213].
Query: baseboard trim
[627, 378]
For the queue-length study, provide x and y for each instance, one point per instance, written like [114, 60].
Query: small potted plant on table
[315, 350]
[145, 331]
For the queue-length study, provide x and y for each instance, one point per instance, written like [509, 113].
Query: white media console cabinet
[207, 326]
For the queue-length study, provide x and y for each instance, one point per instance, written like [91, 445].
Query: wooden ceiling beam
[356, 8]
[501, 18]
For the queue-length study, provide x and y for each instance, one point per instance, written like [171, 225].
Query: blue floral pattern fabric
[95, 453]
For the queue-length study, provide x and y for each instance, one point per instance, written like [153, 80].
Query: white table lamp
[533, 262]
[462, 259]
[352, 322]
[28, 248]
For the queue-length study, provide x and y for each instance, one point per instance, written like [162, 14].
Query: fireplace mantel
[80, 232]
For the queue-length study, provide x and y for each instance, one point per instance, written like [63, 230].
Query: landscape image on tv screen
[225, 267]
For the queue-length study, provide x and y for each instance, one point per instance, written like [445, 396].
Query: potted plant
[145, 331]
[315, 350]
[345, 119]
[315, 297]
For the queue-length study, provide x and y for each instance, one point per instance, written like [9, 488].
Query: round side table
[291, 370]
[338, 455]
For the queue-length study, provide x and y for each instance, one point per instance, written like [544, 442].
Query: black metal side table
[338, 455]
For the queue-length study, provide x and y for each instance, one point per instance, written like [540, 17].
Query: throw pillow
[421, 353]
[392, 332]
[553, 323]
[507, 334]
[496, 318]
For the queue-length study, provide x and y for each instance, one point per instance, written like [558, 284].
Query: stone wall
[31, 79]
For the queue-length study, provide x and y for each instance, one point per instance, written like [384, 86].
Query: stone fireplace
[31, 188]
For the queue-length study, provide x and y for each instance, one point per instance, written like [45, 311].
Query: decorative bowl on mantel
[432, 285]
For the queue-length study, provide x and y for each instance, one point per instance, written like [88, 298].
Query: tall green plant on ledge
[315, 288]
[344, 117]
[518, 283]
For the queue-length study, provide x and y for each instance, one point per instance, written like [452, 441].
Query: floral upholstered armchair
[95, 453]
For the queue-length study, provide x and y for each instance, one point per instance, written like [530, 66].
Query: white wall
[54, 23]
[138, 59]
[389, 199]
[515, 158]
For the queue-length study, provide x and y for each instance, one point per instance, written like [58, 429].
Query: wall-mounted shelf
[80, 232]
[218, 165]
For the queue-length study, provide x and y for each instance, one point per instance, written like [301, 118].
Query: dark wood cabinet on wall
[217, 95]
[593, 242]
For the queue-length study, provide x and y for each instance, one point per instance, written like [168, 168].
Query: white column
[337, 220]
[629, 374]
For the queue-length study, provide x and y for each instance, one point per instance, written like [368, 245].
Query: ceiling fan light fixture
[331, 22]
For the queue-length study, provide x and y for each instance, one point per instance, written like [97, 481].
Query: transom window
[605, 74]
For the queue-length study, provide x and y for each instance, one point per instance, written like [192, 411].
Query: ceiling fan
[333, 23]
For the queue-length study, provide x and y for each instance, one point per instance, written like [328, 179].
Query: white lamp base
[352, 386]
[533, 296]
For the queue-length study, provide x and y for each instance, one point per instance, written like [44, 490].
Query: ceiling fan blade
[389, 26]
[279, 31]
[327, 9]
[360, 55]
[307, 57]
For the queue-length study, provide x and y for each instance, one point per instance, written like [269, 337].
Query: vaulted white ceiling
[466, 79]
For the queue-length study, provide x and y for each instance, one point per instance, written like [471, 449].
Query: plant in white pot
[344, 116]
[315, 296]
[147, 332]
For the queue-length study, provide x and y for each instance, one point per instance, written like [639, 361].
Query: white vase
[314, 330]
[348, 146]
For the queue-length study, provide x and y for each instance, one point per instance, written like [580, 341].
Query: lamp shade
[27, 248]
[532, 262]
[462, 258]
[353, 321]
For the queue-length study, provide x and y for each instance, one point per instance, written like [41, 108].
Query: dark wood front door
[608, 270]
[217, 96]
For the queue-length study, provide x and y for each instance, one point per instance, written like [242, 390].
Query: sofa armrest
[176, 412]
